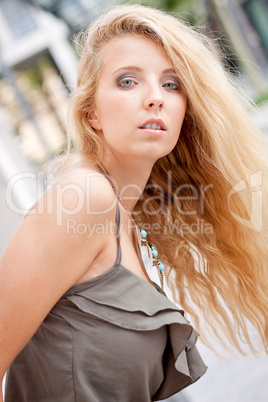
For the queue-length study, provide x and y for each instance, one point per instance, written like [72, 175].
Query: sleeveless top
[114, 338]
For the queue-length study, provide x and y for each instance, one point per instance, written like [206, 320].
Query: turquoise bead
[153, 247]
[161, 266]
[143, 233]
[154, 252]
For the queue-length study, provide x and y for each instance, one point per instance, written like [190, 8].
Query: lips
[154, 124]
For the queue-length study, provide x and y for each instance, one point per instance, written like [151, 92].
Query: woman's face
[139, 108]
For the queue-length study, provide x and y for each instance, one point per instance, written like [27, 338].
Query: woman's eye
[171, 85]
[126, 83]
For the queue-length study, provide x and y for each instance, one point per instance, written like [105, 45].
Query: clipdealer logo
[255, 221]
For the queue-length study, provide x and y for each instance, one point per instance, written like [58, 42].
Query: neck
[128, 179]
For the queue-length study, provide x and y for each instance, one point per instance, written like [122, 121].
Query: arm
[43, 260]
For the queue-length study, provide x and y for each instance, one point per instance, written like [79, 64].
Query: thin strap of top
[119, 253]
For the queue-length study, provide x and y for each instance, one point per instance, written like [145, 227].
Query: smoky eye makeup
[173, 80]
[128, 79]
[178, 84]
[125, 77]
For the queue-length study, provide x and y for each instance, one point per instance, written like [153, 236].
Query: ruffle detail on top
[121, 298]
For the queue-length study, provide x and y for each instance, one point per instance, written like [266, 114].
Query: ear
[94, 120]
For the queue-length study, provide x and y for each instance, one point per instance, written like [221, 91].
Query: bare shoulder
[77, 191]
[91, 182]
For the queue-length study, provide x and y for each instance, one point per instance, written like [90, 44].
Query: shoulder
[78, 191]
[87, 188]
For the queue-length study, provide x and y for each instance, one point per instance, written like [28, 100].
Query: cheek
[183, 104]
[115, 111]
[112, 101]
[178, 111]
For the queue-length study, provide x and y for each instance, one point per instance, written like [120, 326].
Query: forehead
[133, 50]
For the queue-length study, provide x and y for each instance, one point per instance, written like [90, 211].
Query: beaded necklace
[141, 234]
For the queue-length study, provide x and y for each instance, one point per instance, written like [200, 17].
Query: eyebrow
[135, 68]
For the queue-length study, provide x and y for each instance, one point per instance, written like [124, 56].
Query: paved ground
[238, 379]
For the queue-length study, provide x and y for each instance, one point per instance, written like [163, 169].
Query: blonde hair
[210, 271]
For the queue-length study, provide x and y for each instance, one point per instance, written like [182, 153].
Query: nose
[154, 99]
[156, 104]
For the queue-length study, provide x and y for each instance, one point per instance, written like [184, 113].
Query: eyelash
[176, 84]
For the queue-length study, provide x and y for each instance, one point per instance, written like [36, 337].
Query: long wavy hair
[208, 195]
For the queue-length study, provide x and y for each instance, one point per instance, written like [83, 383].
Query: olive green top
[115, 338]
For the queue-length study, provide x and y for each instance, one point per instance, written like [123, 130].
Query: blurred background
[38, 65]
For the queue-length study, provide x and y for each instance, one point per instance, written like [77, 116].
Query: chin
[157, 151]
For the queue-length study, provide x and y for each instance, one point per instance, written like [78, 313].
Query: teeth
[154, 126]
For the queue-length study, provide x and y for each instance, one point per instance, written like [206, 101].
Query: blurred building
[243, 28]
[77, 14]
[37, 69]
[27, 32]
[27, 36]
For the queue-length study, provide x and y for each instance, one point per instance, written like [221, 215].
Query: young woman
[161, 141]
